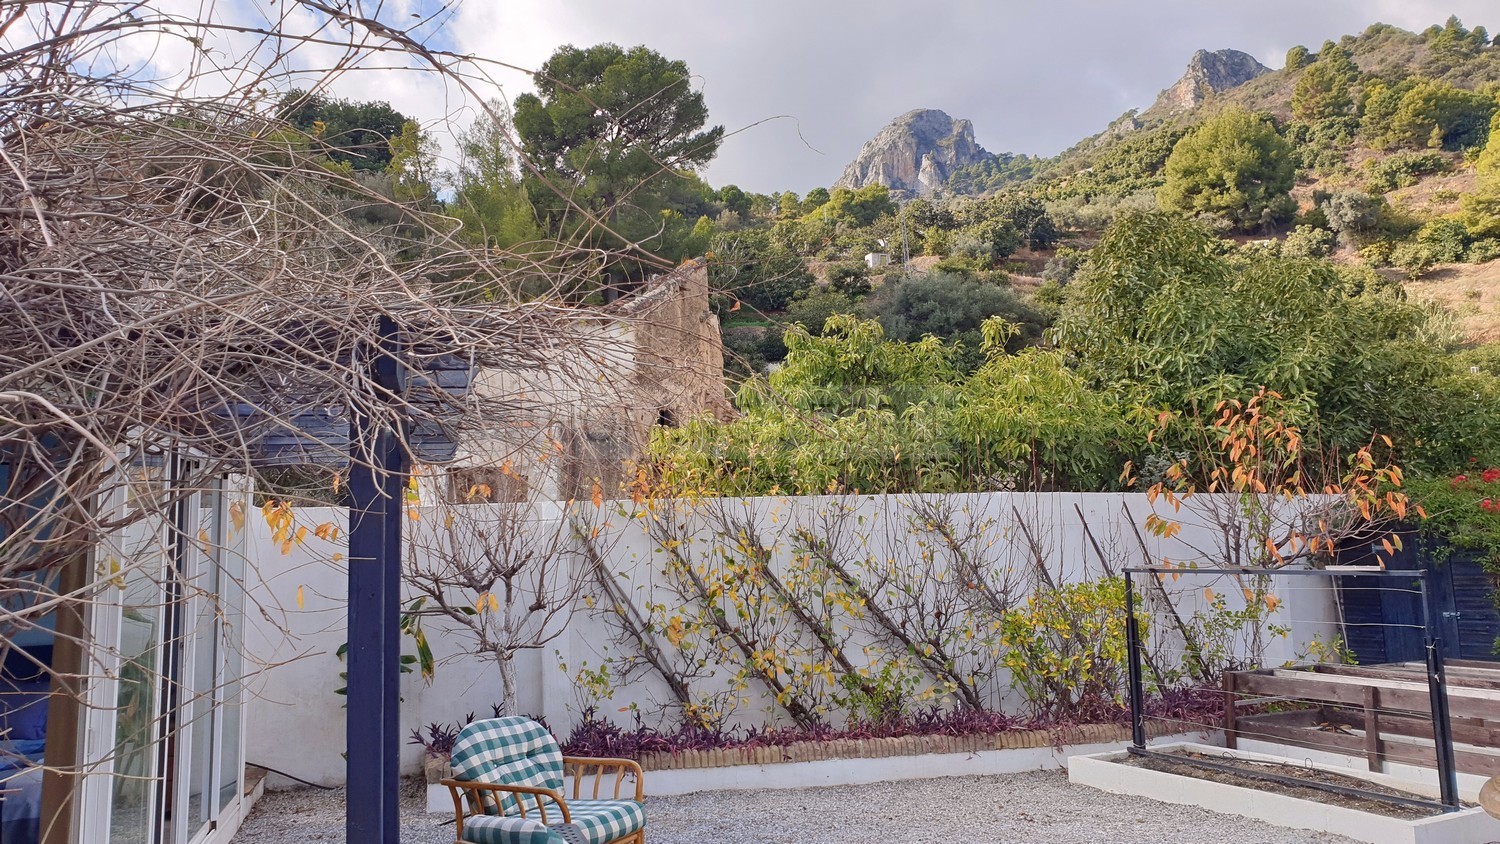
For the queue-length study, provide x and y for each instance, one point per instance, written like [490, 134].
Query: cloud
[1033, 76]
[808, 81]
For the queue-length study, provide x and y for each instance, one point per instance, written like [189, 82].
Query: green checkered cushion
[499, 829]
[509, 751]
[594, 822]
[598, 821]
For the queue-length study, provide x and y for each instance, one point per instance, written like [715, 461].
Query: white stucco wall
[296, 722]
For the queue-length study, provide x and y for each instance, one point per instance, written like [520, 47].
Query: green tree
[1437, 114]
[356, 134]
[1482, 207]
[788, 206]
[1380, 102]
[852, 207]
[1297, 58]
[1160, 315]
[953, 307]
[413, 165]
[734, 199]
[1453, 39]
[488, 196]
[1235, 165]
[619, 134]
[1322, 92]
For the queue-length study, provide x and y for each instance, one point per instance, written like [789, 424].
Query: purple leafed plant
[438, 741]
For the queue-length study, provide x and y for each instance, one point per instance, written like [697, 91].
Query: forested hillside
[1266, 237]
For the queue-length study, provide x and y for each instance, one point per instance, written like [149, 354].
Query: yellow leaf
[1272, 602]
[286, 547]
[598, 495]
[337, 557]
[300, 596]
[1208, 595]
[484, 601]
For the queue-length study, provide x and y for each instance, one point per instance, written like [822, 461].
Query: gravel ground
[1036, 808]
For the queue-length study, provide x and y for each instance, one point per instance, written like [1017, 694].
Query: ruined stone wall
[586, 419]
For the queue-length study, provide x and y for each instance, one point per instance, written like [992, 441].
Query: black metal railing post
[1437, 692]
[1132, 646]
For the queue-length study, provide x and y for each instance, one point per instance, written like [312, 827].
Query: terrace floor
[1039, 808]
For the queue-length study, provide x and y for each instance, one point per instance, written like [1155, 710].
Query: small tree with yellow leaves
[1277, 499]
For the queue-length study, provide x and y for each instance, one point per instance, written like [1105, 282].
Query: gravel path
[1039, 808]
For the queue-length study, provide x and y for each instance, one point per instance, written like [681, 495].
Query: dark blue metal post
[376, 489]
[1133, 653]
[1437, 691]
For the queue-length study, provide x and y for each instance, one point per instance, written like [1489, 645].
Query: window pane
[231, 642]
[144, 560]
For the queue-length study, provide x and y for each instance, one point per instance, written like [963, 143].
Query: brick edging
[877, 748]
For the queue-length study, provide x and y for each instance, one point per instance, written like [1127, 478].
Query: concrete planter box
[1103, 771]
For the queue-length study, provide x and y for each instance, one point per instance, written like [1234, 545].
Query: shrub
[953, 307]
[1065, 649]
[1446, 238]
[1403, 169]
[851, 279]
[1308, 242]
[1061, 267]
[1095, 214]
[1352, 213]
[1377, 254]
[1414, 258]
[813, 308]
[1482, 251]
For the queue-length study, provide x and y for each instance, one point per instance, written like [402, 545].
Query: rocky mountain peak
[915, 153]
[1208, 73]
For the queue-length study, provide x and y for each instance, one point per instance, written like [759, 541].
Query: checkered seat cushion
[594, 822]
[519, 751]
[509, 751]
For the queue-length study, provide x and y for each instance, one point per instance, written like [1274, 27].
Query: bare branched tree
[504, 574]
[183, 274]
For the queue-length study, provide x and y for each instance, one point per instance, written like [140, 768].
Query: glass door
[162, 748]
[198, 718]
[129, 623]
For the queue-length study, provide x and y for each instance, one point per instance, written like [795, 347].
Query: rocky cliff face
[915, 153]
[1207, 74]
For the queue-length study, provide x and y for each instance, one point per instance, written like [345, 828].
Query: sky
[821, 77]
[800, 85]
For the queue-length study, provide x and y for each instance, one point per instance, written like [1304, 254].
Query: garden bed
[1167, 763]
[1120, 772]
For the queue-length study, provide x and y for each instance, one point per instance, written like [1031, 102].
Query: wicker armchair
[508, 782]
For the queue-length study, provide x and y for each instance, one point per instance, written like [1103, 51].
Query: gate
[1383, 625]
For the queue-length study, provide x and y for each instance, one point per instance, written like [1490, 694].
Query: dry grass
[1470, 291]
